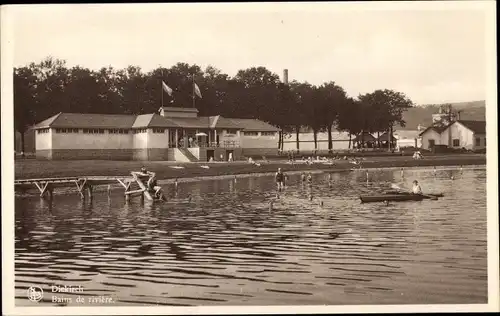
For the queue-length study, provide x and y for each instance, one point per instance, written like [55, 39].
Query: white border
[492, 169]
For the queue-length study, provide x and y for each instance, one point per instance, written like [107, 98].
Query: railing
[222, 144]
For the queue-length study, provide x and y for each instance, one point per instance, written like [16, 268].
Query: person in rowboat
[416, 188]
[280, 179]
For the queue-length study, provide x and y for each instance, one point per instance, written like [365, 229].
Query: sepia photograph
[220, 158]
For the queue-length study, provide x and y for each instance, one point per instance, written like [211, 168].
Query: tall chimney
[285, 76]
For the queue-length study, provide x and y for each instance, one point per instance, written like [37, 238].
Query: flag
[197, 90]
[167, 88]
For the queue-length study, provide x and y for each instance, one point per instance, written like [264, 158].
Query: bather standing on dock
[152, 183]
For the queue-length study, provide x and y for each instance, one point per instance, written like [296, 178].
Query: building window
[268, 133]
[43, 131]
[158, 130]
[140, 130]
[456, 143]
[118, 131]
[232, 132]
[93, 131]
[432, 143]
[251, 133]
[478, 141]
[67, 130]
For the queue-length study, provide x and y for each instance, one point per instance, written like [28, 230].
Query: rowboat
[400, 196]
[407, 193]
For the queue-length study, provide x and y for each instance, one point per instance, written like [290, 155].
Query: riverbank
[165, 170]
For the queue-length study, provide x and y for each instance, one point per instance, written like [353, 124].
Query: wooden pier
[85, 184]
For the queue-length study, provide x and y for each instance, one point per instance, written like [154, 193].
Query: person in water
[309, 179]
[152, 178]
[280, 179]
[303, 177]
[416, 188]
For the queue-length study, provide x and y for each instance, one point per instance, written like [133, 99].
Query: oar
[396, 187]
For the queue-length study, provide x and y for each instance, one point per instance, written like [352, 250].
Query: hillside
[475, 110]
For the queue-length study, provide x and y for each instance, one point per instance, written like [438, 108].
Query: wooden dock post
[42, 187]
[81, 187]
[89, 191]
[46, 186]
[142, 186]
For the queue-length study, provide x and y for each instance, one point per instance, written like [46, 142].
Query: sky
[432, 52]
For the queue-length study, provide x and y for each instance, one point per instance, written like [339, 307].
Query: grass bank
[30, 168]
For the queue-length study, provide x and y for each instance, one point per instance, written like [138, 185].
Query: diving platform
[85, 184]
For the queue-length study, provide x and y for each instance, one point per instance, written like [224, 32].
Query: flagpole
[194, 97]
[161, 88]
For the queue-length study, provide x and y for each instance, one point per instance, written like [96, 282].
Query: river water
[218, 243]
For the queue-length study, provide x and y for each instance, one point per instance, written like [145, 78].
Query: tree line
[49, 87]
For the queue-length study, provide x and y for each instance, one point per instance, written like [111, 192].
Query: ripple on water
[226, 247]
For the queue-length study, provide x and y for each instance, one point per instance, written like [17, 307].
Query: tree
[351, 117]
[261, 88]
[332, 98]
[302, 94]
[24, 100]
[52, 80]
[48, 87]
[389, 106]
[264, 98]
[313, 113]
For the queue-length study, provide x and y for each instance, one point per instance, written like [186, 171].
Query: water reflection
[225, 246]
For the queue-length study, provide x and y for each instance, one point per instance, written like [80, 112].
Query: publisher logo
[35, 293]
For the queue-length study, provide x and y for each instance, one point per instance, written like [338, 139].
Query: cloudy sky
[434, 54]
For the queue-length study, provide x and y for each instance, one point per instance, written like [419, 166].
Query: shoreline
[192, 172]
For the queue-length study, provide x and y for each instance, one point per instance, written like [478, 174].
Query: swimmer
[309, 179]
[280, 179]
[303, 177]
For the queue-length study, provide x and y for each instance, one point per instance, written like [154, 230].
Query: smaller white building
[470, 135]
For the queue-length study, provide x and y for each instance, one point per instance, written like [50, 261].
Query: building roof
[222, 122]
[253, 125]
[71, 120]
[367, 137]
[80, 120]
[153, 120]
[437, 129]
[385, 137]
[191, 122]
[478, 127]
[179, 109]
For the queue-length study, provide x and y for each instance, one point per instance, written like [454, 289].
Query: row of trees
[46, 88]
